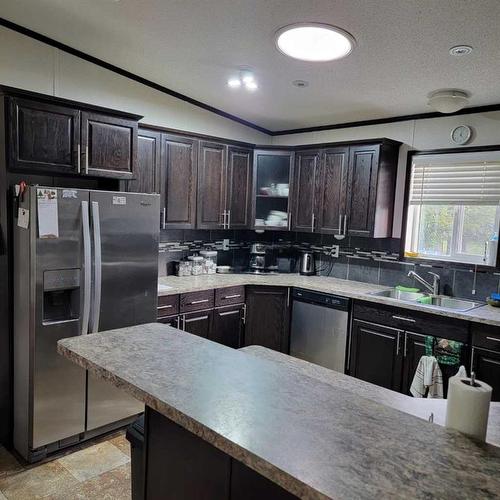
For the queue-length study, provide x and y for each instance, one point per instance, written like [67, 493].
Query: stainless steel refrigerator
[86, 262]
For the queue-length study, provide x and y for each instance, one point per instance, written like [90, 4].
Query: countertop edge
[243, 455]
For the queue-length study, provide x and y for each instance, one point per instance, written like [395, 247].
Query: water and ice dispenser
[61, 295]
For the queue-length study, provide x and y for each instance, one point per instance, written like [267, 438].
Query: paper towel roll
[468, 406]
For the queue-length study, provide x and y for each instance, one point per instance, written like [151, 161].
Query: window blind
[455, 179]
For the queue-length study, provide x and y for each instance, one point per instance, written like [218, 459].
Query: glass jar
[210, 264]
[196, 265]
[184, 268]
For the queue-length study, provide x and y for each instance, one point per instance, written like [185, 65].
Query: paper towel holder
[472, 382]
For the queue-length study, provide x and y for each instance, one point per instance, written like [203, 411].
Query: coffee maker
[257, 264]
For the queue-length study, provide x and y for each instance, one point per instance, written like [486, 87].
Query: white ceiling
[193, 46]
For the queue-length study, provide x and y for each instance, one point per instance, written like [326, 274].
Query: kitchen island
[242, 422]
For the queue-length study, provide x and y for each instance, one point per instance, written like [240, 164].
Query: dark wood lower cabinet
[268, 317]
[414, 349]
[486, 365]
[376, 355]
[198, 323]
[227, 326]
[182, 465]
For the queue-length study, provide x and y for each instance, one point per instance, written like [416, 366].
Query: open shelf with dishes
[272, 181]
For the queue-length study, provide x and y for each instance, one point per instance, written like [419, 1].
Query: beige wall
[28, 64]
[432, 133]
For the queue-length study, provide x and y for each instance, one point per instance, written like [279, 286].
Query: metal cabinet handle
[289, 221]
[406, 341]
[397, 345]
[87, 159]
[165, 307]
[78, 159]
[231, 296]
[198, 301]
[345, 225]
[313, 222]
[223, 223]
[163, 217]
[244, 317]
[493, 338]
[228, 219]
[191, 320]
[340, 225]
[402, 318]
[228, 313]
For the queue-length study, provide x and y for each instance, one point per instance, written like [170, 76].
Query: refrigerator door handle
[96, 305]
[87, 263]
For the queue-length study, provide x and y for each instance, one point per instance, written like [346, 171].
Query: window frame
[426, 261]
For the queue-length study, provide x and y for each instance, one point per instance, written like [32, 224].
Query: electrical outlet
[334, 251]
[225, 244]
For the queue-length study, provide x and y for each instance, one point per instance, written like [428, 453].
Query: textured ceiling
[193, 46]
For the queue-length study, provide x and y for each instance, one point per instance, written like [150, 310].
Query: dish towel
[428, 379]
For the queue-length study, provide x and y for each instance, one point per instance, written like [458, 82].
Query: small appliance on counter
[262, 261]
[307, 265]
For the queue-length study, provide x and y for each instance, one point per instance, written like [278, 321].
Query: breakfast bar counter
[266, 424]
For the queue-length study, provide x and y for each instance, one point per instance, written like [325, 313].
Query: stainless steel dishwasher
[319, 328]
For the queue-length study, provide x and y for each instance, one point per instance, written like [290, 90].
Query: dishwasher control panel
[320, 298]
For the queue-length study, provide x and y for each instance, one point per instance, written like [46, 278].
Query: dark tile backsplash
[361, 259]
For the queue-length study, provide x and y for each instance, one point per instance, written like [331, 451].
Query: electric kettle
[307, 267]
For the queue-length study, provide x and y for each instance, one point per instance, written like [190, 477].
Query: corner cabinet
[346, 190]
[268, 317]
[49, 136]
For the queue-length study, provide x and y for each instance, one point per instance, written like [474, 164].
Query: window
[454, 207]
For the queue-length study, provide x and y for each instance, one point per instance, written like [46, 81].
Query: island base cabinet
[268, 317]
[182, 465]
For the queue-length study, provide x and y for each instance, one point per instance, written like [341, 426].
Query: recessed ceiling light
[461, 50]
[314, 42]
[448, 100]
[251, 85]
[234, 83]
[300, 83]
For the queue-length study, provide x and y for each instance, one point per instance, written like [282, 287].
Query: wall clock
[461, 135]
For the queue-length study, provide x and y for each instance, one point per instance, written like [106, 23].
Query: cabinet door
[305, 189]
[238, 187]
[109, 146]
[172, 321]
[43, 136]
[211, 185]
[414, 349]
[486, 365]
[268, 317]
[362, 192]
[178, 182]
[332, 191]
[227, 326]
[148, 163]
[198, 323]
[375, 354]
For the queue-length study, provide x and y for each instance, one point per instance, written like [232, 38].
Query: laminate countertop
[171, 285]
[314, 438]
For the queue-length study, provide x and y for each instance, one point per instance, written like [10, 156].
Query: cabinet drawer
[168, 305]
[415, 321]
[229, 295]
[486, 336]
[196, 301]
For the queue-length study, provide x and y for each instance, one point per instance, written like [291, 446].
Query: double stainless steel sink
[432, 301]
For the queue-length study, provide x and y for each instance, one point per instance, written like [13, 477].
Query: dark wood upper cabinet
[332, 192]
[376, 356]
[147, 178]
[238, 187]
[268, 317]
[371, 188]
[43, 136]
[211, 186]
[178, 178]
[109, 146]
[306, 181]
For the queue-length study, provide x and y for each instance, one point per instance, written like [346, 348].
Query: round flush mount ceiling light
[448, 101]
[461, 50]
[314, 42]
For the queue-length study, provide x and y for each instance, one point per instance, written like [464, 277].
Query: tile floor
[99, 470]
